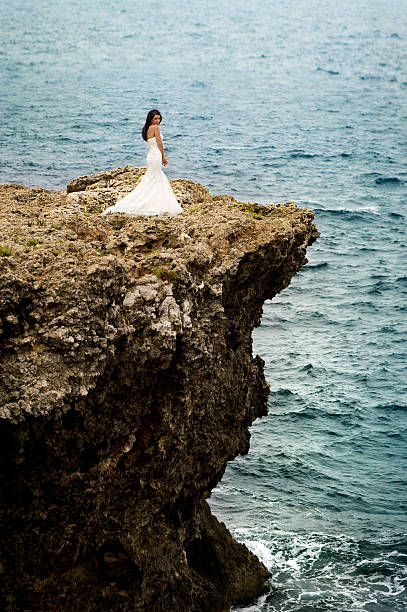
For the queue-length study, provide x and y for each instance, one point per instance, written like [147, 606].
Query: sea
[270, 101]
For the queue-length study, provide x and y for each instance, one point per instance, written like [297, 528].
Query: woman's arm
[160, 144]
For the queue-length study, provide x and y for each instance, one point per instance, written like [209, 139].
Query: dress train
[153, 195]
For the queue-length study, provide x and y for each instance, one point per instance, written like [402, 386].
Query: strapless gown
[153, 195]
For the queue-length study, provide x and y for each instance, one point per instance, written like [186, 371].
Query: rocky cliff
[127, 382]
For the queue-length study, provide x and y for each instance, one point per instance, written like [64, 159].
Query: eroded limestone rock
[126, 383]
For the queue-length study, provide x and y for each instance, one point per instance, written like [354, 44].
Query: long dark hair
[149, 119]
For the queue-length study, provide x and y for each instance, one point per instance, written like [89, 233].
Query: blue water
[270, 101]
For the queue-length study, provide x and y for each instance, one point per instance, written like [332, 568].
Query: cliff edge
[127, 382]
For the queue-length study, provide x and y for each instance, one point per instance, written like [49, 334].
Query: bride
[153, 195]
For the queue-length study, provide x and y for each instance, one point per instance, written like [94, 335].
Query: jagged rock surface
[126, 383]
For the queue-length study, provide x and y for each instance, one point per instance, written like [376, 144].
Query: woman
[153, 195]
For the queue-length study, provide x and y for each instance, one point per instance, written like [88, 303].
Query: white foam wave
[325, 571]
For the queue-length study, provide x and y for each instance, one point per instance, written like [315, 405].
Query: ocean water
[269, 101]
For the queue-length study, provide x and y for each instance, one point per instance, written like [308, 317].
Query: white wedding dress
[153, 195]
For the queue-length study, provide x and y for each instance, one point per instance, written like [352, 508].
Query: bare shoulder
[152, 131]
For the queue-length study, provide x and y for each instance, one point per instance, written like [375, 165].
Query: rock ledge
[126, 383]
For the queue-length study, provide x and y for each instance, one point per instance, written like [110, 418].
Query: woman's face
[156, 120]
